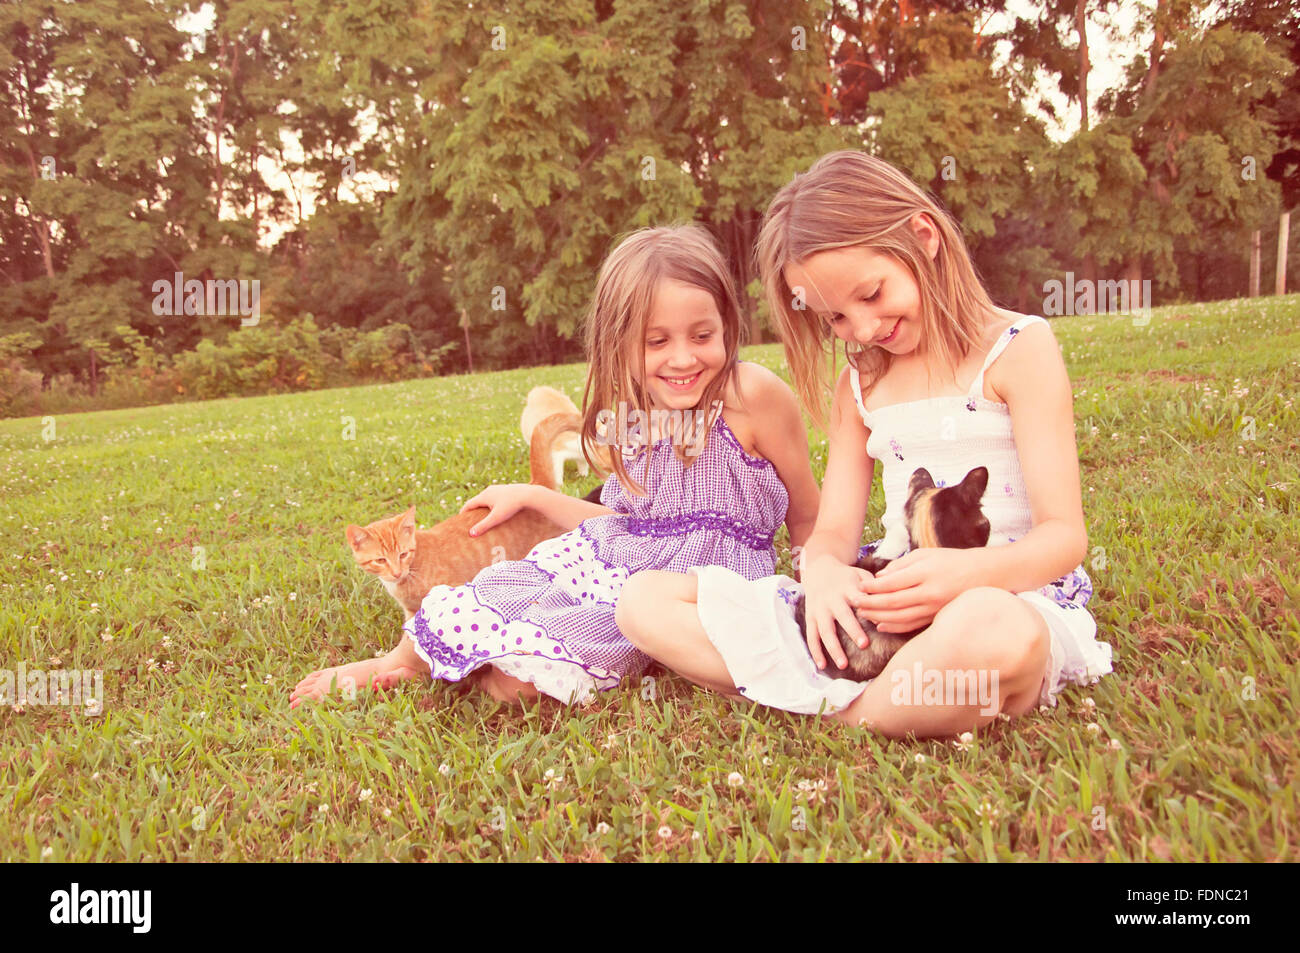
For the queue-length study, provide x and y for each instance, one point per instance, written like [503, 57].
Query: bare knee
[628, 611]
[992, 629]
[642, 599]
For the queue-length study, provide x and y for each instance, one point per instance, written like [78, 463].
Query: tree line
[436, 183]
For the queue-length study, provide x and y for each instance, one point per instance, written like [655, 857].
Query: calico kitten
[947, 517]
[543, 402]
[409, 561]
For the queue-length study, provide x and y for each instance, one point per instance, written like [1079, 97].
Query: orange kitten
[410, 562]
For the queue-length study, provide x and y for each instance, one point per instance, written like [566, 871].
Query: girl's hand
[503, 501]
[910, 591]
[828, 592]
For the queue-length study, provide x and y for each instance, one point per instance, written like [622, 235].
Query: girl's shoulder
[1024, 346]
[754, 387]
[756, 394]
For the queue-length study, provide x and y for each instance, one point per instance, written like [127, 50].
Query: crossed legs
[985, 631]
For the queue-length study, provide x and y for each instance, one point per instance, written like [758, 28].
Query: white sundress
[751, 623]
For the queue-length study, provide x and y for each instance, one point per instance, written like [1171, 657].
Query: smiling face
[862, 295]
[684, 346]
[866, 296]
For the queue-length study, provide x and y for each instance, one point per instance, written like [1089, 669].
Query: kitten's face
[947, 516]
[385, 547]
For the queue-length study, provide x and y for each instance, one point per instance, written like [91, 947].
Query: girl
[662, 335]
[937, 377]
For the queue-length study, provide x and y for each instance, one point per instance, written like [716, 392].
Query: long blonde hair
[617, 318]
[846, 199]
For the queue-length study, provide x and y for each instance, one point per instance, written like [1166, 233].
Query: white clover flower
[602, 828]
[919, 758]
[1115, 745]
[365, 795]
[1089, 703]
[1093, 727]
[665, 832]
[735, 779]
[444, 769]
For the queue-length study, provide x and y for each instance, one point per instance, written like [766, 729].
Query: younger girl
[940, 378]
[662, 336]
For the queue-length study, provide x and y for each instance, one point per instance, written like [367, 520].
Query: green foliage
[270, 358]
[433, 159]
[275, 358]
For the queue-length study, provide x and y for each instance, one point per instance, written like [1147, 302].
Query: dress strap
[977, 385]
[856, 385]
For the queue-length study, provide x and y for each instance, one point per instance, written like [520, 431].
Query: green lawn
[1188, 447]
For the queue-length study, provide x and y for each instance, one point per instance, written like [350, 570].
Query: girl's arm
[781, 437]
[830, 578]
[846, 487]
[562, 509]
[505, 500]
[1032, 380]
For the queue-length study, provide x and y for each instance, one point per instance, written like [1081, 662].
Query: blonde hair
[848, 199]
[617, 318]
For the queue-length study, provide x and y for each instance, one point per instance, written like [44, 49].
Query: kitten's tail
[544, 437]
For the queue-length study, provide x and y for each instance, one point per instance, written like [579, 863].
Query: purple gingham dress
[548, 618]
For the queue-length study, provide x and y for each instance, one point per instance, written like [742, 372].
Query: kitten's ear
[356, 536]
[921, 480]
[975, 483]
[407, 524]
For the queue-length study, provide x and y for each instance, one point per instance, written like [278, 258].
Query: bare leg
[656, 612]
[985, 631]
[505, 688]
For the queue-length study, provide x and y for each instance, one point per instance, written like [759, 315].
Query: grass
[194, 553]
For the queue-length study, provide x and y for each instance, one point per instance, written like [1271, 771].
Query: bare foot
[375, 673]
